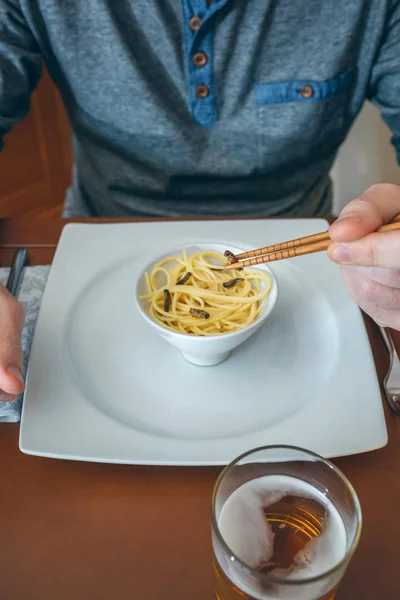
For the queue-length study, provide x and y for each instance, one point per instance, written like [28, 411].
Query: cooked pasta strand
[229, 308]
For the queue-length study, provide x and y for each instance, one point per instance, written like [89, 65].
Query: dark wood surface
[100, 532]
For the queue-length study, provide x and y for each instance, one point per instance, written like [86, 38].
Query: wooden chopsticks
[304, 245]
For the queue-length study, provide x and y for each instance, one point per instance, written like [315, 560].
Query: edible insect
[184, 279]
[167, 300]
[201, 314]
[232, 282]
[232, 258]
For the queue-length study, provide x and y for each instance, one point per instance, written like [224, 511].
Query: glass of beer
[285, 524]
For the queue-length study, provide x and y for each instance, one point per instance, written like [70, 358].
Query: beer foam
[242, 519]
[248, 534]
[325, 551]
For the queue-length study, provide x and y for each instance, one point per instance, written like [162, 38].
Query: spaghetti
[194, 295]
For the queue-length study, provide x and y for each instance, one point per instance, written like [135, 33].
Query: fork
[391, 382]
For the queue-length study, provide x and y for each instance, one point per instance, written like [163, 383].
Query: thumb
[11, 325]
[373, 250]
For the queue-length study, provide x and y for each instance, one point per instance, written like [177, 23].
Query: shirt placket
[199, 44]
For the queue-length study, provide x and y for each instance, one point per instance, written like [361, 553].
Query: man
[202, 107]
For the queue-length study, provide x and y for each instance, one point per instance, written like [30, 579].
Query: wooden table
[83, 531]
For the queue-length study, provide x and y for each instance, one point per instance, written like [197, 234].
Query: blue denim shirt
[195, 107]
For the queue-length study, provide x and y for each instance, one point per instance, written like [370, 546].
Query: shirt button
[202, 91]
[200, 59]
[307, 91]
[194, 23]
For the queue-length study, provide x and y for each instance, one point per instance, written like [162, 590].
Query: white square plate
[103, 386]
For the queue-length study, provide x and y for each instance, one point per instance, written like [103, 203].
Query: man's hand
[370, 261]
[11, 324]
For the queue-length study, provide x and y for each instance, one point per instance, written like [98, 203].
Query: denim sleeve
[20, 65]
[384, 84]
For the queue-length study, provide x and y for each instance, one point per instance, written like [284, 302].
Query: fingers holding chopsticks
[374, 249]
[370, 261]
[354, 233]
[378, 205]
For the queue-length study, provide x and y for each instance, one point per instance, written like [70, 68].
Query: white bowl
[204, 350]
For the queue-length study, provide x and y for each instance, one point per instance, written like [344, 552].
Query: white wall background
[365, 158]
